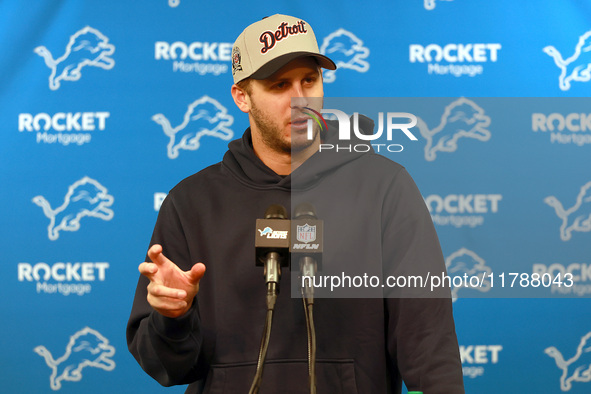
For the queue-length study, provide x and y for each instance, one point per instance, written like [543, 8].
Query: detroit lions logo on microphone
[265, 231]
[270, 233]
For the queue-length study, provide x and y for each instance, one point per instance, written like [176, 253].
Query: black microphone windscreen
[276, 211]
[305, 211]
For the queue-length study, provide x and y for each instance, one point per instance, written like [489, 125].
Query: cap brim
[274, 65]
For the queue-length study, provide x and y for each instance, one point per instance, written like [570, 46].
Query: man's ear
[241, 98]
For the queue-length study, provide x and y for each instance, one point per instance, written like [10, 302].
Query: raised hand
[171, 290]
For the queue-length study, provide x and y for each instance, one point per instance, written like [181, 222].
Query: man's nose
[298, 99]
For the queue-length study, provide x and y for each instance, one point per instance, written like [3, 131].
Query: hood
[244, 164]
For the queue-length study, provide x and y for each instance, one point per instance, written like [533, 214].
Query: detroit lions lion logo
[430, 4]
[86, 348]
[461, 119]
[574, 68]
[467, 262]
[578, 367]
[265, 231]
[85, 197]
[204, 117]
[346, 50]
[575, 218]
[87, 47]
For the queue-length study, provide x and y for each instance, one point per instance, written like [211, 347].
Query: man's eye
[281, 85]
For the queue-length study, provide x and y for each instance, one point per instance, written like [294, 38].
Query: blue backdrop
[93, 97]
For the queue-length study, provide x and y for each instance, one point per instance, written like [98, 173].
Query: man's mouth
[299, 122]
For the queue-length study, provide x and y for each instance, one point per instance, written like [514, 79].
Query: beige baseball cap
[269, 44]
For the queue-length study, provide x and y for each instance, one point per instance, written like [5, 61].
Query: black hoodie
[375, 223]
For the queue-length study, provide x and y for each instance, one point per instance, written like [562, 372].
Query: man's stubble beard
[271, 133]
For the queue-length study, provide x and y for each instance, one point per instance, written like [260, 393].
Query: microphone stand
[271, 253]
[308, 269]
[272, 276]
[308, 243]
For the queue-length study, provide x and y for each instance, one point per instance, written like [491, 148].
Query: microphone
[272, 243]
[272, 252]
[307, 240]
[308, 244]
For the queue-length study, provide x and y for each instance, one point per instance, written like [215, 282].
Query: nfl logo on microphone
[306, 233]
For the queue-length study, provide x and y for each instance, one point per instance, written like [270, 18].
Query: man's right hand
[171, 291]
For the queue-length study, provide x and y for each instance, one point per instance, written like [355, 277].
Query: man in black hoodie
[203, 329]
